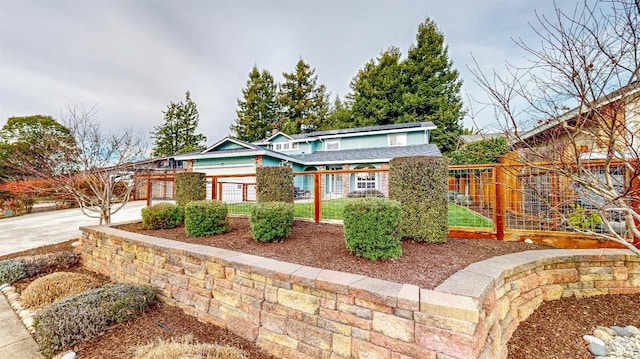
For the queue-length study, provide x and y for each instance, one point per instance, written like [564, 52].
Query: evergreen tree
[178, 133]
[423, 87]
[340, 116]
[432, 87]
[257, 112]
[377, 91]
[304, 105]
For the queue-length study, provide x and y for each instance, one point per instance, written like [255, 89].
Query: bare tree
[574, 113]
[97, 170]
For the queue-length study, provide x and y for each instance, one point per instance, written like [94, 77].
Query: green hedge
[420, 184]
[203, 218]
[275, 184]
[190, 186]
[371, 228]
[82, 316]
[271, 221]
[161, 216]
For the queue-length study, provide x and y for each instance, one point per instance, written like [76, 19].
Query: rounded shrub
[51, 288]
[161, 216]
[82, 316]
[203, 218]
[371, 228]
[271, 221]
[12, 270]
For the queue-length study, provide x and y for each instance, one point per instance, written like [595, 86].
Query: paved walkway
[39, 229]
[36, 230]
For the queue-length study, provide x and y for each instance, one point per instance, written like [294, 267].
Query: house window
[285, 146]
[397, 139]
[332, 145]
[365, 180]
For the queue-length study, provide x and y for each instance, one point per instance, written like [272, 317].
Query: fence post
[317, 199]
[214, 188]
[499, 201]
[635, 202]
[149, 191]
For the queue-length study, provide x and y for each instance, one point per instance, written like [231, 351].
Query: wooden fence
[498, 201]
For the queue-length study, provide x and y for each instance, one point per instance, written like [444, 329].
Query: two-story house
[346, 149]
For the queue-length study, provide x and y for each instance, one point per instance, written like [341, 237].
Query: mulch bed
[322, 245]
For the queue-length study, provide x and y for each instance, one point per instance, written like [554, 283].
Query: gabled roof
[226, 140]
[247, 149]
[625, 92]
[268, 139]
[366, 155]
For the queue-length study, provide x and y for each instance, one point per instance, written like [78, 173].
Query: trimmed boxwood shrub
[203, 218]
[271, 221]
[420, 184]
[275, 184]
[82, 316]
[371, 228]
[190, 186]
[161, 216]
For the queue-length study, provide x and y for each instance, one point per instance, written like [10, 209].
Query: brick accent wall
[293, 311]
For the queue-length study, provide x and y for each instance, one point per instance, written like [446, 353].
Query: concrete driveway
[39, 229]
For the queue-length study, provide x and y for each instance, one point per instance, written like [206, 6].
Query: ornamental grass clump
[203, 218]
[12, 270]
[271, 221]
[161, 216]
[371, 228]
[53, 287]
[185, 348]
[82, 316]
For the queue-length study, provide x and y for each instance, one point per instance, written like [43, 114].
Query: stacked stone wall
[294, 311]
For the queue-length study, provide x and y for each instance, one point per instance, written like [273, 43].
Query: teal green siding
[416, 138]
[270, 161]
[349, 143]
[280, 138]
[207, 162]
[228, 146]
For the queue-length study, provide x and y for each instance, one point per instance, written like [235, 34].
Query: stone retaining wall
[294, 311]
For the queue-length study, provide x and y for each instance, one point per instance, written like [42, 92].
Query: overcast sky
[131, 58]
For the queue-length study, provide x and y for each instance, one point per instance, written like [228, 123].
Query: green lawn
[458, 216]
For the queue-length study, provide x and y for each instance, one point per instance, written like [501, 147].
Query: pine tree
[432, 90]
[257, 111]
[304, 104]
[178, 133]
[377, 91]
